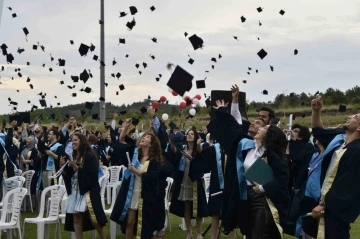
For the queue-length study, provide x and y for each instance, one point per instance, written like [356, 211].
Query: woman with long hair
[137, 197]
[84, 210]
[188, 198]
[259, 210]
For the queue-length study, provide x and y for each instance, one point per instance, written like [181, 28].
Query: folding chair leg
[30, 198]
[23, 233]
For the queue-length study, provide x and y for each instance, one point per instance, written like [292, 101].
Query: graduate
[259, 210]
[336, 190]
[84, 209]
[188, 198]
[137, 198]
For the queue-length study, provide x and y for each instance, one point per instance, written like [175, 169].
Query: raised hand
[235, 91]
[317, 103]
[220, 104]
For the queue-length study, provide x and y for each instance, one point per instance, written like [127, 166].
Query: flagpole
[102, 59]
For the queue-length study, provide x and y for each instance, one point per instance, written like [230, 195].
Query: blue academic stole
[313, 187]
[128, 174]
[2, 143]
[244, 144]
[182, 163]
[51, 161]
[219, 166]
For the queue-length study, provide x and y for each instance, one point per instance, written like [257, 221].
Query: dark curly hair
[275, 141]
[196, 137]
[84, 147]
[155, 151]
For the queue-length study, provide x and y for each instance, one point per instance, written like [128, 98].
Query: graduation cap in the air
[114, 62]
[342, 108]
[123, 14]
[200, 84]
[84, 76]
[243, 19]
[227, 97]
[264, 92]
[19, 74]
[131, 24]
[75, 78]
[196, 42]
[73, 94]
[71, 42]
[61, 62]
[87, 90]
[92, 48]
[180, 81]
[154, 39]
[14, 15]
[121, 87]
[259, 9]
[83, 49]
[152, 8]
[9, 58]
[271, 68]
[95, 57]
[213, 59]
[20, 50]
[235, 37]
[118, 75]
[122, 40]
[135, 121]
[137, 65]
[191, 61]
[282, 12]
[144, 65]
[133, 10]
[43, 103]
[296, 52]
[262, 53]
[95, 116]
[143, 110]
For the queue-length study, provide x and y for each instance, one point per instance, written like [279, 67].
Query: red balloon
[198, 97]
[186, 98]
[155, 104]
[183, 105]
[163, 99]
[174, 93]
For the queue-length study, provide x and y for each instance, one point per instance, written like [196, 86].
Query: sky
[325, 33]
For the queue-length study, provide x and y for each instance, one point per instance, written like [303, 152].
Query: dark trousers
[261, 220]
[336, 228]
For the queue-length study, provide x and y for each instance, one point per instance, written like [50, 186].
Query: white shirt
[235, 112]
[251, 157]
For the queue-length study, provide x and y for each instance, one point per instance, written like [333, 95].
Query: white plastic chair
[170, 182]
[18, 172]
[103, 181]
[28, 175]
[57, 192]
[104, 169]
[17, 196]
[115, 172]
[10, 184]
[61, 181]
[113, 225]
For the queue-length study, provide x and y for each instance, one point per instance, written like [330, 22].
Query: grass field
[175, 233]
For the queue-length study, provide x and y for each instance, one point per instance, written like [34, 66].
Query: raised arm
[124, 131]
[316, 105]
[235, 104]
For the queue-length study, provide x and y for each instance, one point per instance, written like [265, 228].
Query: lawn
[175, 233]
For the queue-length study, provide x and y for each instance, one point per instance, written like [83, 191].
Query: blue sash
[244, 144]
[127, 173]
[51, 161]
[219, 168]
[2, 143]
[182, 163]
[313, 187]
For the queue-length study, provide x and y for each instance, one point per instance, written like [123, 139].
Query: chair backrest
[18, 172]
[57, 193]
[104, 169]
[61, 181]
[21, 179]
[103, 182]
[17, 195]
[114, 194]
[114, 173]
[28, 175]
[206, 179]
[170, 182]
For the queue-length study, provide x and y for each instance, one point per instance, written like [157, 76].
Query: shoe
[160, 234]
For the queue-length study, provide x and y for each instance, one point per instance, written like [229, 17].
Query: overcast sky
[326, 34]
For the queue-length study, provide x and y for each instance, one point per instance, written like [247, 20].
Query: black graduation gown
[177, 207]
[205, 164]
[229, 133]
[149, 194]
[89, 186]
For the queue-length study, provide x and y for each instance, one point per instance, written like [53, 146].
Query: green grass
[175, 233]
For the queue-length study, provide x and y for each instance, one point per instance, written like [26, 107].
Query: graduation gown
[234, 139]
[88, 186]
[149, 195]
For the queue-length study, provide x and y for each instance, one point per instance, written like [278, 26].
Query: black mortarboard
[262, 53]
[213, 59]
[102, 98]
[317, 92]
[13, 103]
[74, 94]
[292, 94]
[271, 68]
[260, 24]
[75, 78]
[244, 81]
[61, 82]
[92, 47]
[83, 49]
[95, 57]
[259, 9]
[149, 97]
[135, 121]
[14, 15]
[82, 112]
[28, 63]
[35, 47]
[191, 61]
[295, 52]
[61, 62]
[154, 39]
[133, 10]
[152, 57]
[196, 42]
[122, 87]
[71, 42]
[123, 14]
[137, 65]
[95, 116]
[180, 81]
[143, 109]
[342, 108]
[50, 69]
[58, 104]
[208, 102]
[42, 48]
[243, 19]
[200, 84]
[9, 58]
[19, 74]
[20, 50]
[114, 62]
[87, 90]
[84, 76]
[152, 8]
[265, 92]
[101, 22]
[144, 65]
[118, 75]
[43, 103]
[282, 12]
[227, 97]
[131, 24]
[31, 86]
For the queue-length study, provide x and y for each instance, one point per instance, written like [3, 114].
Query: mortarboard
[191, 61]
[122, 40]
[114, 62]
[295, 52]
[131, 24]
[61, 82]
[95, 116]
[264, 92]
[50, 69]
[102, 98]
[282, 12]
[180, 81]
[152, 8]
[137, 65]
[208, 102]
[19, 74]
[43, 103]
[83, 49]
[14, 15]
[144, 65]
[227, 97]
[87, 90]
[271, 68]
[95, 57]
[133, 10]
[342, 108]
[259, 9]
[20, 50]
[92, 47]
[262, 53]
[123, 14]
[152, 57]
[200, 84]
[196, 42]
[61, 62]
[35, 47]
[127, 55]
[118, 75]
[31, 86]
[9, 58]
[84, 76]
[154, 39]
[102, 63]
[121, 87]
[135, 121]
[74, 94]
[75, 78]
[243, 19]
[213, 59]
[143, 109]
[71, 42]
